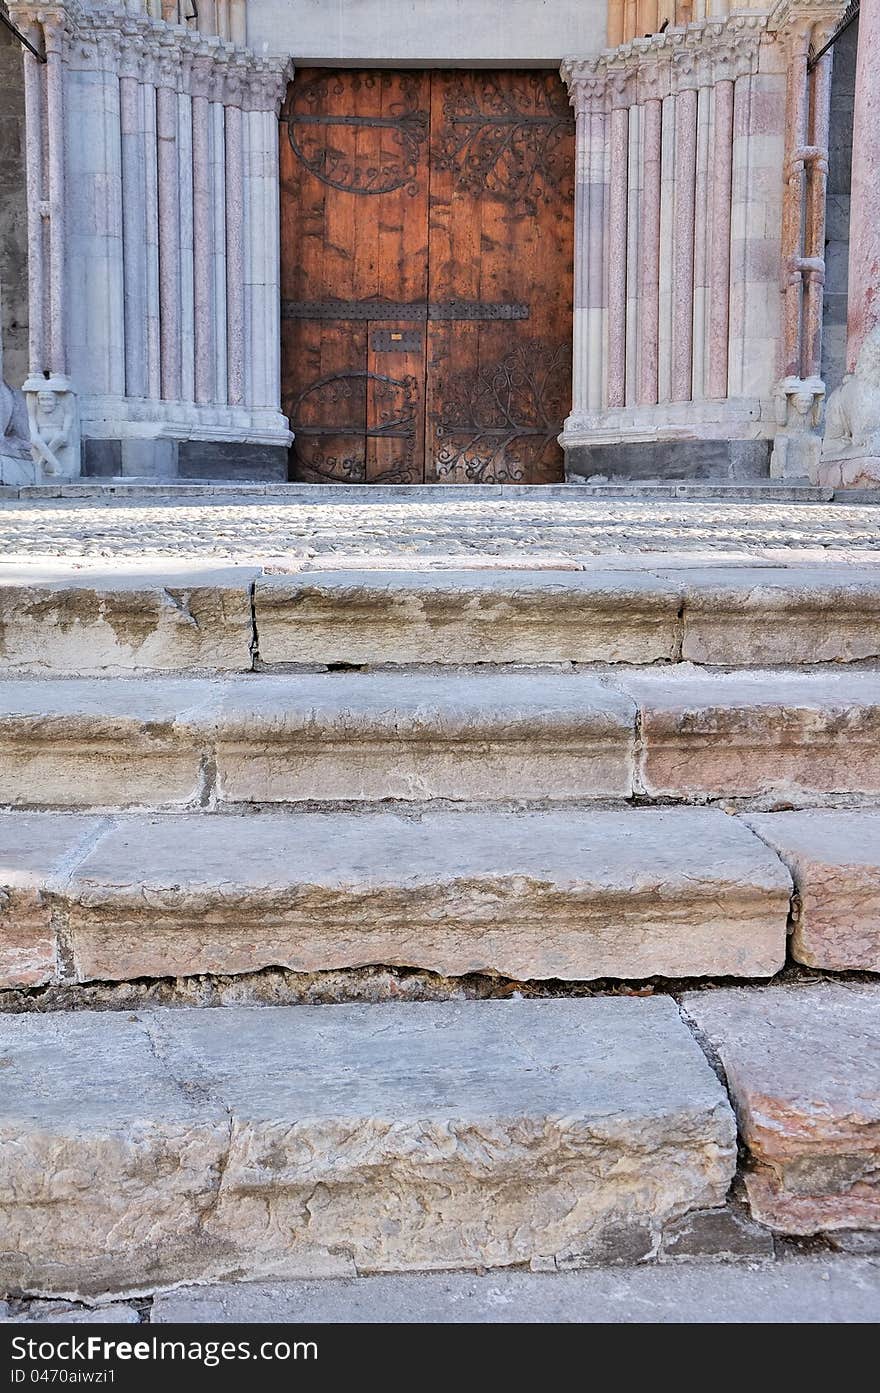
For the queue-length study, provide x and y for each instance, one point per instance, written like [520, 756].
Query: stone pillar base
[857, 472]
[719, 461]
[217, 461]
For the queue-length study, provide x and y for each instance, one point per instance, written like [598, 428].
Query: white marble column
[33, 98]
[134, 243]
[218, 242]
[53, 40]
[185, 219]
[167, 134]
[235, 260]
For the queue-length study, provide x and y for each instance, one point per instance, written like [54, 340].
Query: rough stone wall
[837, 223]
[13, 214]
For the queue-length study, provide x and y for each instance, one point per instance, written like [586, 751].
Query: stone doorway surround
[153, 231]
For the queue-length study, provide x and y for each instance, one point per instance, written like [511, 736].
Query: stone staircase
[594, 811]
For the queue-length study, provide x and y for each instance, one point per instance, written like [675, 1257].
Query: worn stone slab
[82, 742]
[466, 617]
[834, 858]
[796, 1291]
[803, 1069]
[88, 622]
[35, 848]
[66, 1313]
[789, 736]
[356, 736]
[574, 895]
[142, 1150]
[753, 615]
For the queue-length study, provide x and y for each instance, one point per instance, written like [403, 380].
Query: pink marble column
[814, 222]
[719, 249]
[683, 246]
[203, 249]
[864, 224]
[33, 101]
[57, 239]
[169, 238]
[617, 209]
[649, 271]
[235, 329]
[793, 198]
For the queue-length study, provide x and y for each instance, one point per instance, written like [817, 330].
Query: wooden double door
[426, 253]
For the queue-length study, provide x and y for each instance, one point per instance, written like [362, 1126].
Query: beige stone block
[416, 736]
[142, 1151]
[574, 895]
[100, 743]
[834, 858]
[787, 736]
[34, 849]
[54, 621]
[755, 615]
[803, 1069]
[466, 617]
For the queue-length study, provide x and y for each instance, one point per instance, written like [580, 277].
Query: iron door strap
[416, 311]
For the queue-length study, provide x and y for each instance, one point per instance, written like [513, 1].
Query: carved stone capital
[587, 84]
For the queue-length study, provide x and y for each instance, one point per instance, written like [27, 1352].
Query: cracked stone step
[129, 742]
[803, 1070]
[142, 1150]
[783, 735]
[751, 616]
[54, 620]
[57, 619]
[466, 617]
[834, 859]
[576, 895]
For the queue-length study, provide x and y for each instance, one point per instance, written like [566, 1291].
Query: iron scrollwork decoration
[332, 410]
[499, 425]
[509, 138]
[328, 143]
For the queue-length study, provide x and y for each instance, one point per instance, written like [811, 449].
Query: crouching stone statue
[851, 449]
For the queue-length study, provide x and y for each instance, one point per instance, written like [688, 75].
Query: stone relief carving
[54, 426]
[798, 444]
[852, 421]
[16, 464]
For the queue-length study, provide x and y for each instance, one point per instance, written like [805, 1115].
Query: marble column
[863, 312]
[33, 100]
[683, 243]
[235, 262]
[134, 244]
[53, 37]
[719, 254]
[617, 244]
[167, 134]
[649, 274]
[203, 269]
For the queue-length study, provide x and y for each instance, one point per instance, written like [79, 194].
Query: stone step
[128, 742]
[679, 732]
[56, 620]
[803, 1069]
[139, 1150]
[834, 859]
[675, 892]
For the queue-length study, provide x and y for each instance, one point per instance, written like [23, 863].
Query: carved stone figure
[852, 421]
[797, 446]
[16, 464]
[54, 426]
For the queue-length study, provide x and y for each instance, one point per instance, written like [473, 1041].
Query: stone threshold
[762, 492]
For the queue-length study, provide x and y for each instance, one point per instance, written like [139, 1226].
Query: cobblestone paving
[246, 529]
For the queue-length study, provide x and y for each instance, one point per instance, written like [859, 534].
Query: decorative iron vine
[343, 397]
[510, 138]
[499, 425]
[318, 137]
